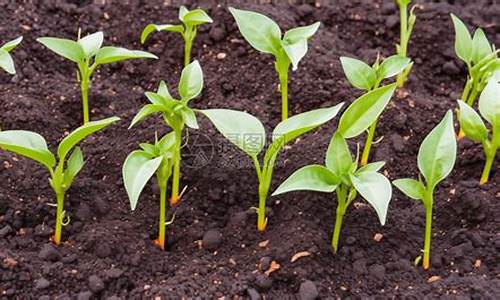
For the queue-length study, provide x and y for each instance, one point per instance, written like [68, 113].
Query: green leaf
[75, 137]
[91, 43]
[309, 178]
[29, 144]
[66, 48]
[167, 141]
[359, 74]
[163, 91]
[481, 46]
[338, 157]
[74, 166]
[6, 62]
[137, 170]
[437, 152]
[301, 33]
[240, 128]
[145, 111]
[295, 52]
[182, 12]
[150, 28]
[364, 111]
[410, 187]
[392, 66]
[156, 99]
[463, 40]
[189, 118]
[196, 17]
[471, 123]
[149, 149]
[107, 55]
[371, 167]
[259, 31]
[489, 102]
[376, 189]
[9, 46]
[191, 82]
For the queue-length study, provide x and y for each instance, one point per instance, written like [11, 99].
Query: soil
[108, 251]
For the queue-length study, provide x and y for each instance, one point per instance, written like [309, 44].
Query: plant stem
[473, 95]
[403, 40]
[161, 225]
[368, 143]
[177, 168]
[341, 208]
[428, 229]
[284, 96]
[188, 35]
[59, 218]
[261, 214]
[490, 158]
[84, 87]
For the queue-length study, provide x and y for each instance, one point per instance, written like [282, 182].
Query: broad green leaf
[91, 43]
[437, 152]
[107, 55]
[258, 30]
[12, 44]
[145, 111]
[371, 167]
[167, 141]
[182, 12]
[163, 91]
[137, 170]
[149, 149]
[359, 74]
[150, 28]
[364, 111]
[75, 137]
[489, 102]
[240, 128]
[66, 48]
[156, 99]
[410, 187]
[6, 62]
[196, 17]
[471, 123]
[295, 52]
[338, 157]
[392, 66]
[74, 166]
[480, 45]
[376, 189]
[301, 33]
[463, 40]
[309, 178]
[29, 144]
[191, 82]
[189, 118]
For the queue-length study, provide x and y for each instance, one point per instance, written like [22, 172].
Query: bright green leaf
[107, 55]
[376, 189]
[182, 12]
[295, 52]
[91, 43]
[156, 99]
[66, 48]
[191, 82]
[150, 28]
[392, 66]
[338, 157]
[480, 45]
[410, 187]
[359, 74]
[189, 118]
[196, 17]
[145, 111]
[371, 167]
[9, 46]
[463, 40]
[471, 123]
[29, 144]
[309, 178]
[163, 91]
[6, 62]
[489, 103]
[74, 166]
[301, 33]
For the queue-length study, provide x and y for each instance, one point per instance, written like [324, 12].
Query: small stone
[49, 253]
[101, 206]
[265, 263]
[304, 10]
[211, 240]
[451, 68]
[85, 295]
[388, 8]
[397, 142]
[476, 239]
[308, 290]
[114, 273]
[95, 284]
[433, 279]
[221, 55]
[42, 284]
[103, 250]
[253, 294]
[359, 266]
[83, 213]
[378, 237]
[5, 231]
[9, 263]
[392, 21]
[263, 282]
[42, 230]
[377, 271]
[239, 219]
[217, 34]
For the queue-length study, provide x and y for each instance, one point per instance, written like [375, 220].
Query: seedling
[190, 21]
[6, 62]
[63, 171]
[341, 173]
[367, 78]
[176, 114]
[436, 158]
[481, 59]
[264, 35]
[406, 29]
[141, 165]
[88, 54]
[248, 134]
[475, 129]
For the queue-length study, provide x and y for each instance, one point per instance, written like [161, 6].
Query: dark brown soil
[108, 252]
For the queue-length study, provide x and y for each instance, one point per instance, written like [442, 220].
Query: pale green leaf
[309, 178]
[28, 144]
[376, 190]
[489, 102]
[463, 40]
[145, 111]
[191, 82]
[410, 187]
[107, 55]
[66, 48]
[9, 46]
[189, 118]
[480, 45]
[91, 43]
[150, 28]
[301, 33]
[295, 52]
[393, 65]
[74, 166]
[471, 123]
[359, 74]
[371, 167]
[182, 12]
[163, 90]
[196, 17]
[6, 62]
[338, 157]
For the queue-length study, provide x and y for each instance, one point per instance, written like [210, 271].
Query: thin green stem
[261, 213]
[84, 87]
[189, 36]
[284, 96]
[368, 144]
[403, 40]
[428, 203]
[59, 218]
[163, 208]
[341, 208]
[177, 168]
[490, 158]
[467, 88]
[473, 94]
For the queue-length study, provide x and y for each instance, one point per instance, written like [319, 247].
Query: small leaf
[163, 91]
[392, 66]
[338, 157]
[107, 55]
[150, 28]
[6, 62]
[364, 111]
[309, 178]
[481, 46]
[9, 46]
[137, 170]
[258, 30]
[410, 187]
[301, 33]
[66, 48]
[295, 52]
[28, 144]
[189, 118]
[74, 166]
[376, 189]
[91, 43]
[145, 111]
[156, 99]
[359, 74]
[463, 40]
[471, 123]
[182, 12]
[191, 82]
[371, 167]
[489, 102]
[196, 17]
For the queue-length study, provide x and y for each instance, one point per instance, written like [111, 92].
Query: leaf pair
[6, 62]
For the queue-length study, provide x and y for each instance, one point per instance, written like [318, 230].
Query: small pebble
[308, 290]
[49, 253]
[211, 240]
[221, 55]
[95, 284]
[42, 284]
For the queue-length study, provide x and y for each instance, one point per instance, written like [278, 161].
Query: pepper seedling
[6, 62]
[264, 35]
[406, 28]
[367, 78]
[247, 133]
[341, 174]
[475, 129]
[481, 59]
[436, 158]
[88, 54]
[62, 172]
[176, 113]
[190, 21]
[141, 165]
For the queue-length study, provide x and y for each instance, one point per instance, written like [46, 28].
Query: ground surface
[108, 249]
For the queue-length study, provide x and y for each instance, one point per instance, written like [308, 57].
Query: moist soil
[108, 251]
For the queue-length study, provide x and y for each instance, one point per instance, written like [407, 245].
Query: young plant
[190, 21]
[406, 29]
[248, 134]
[341, 174]
[63, 171]
[475, 129]
[176, 113]
[88, 54]
[141, 165]
[6, 62]
[367, 78]
[481, 59]
[436, 158]
[264, 35]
